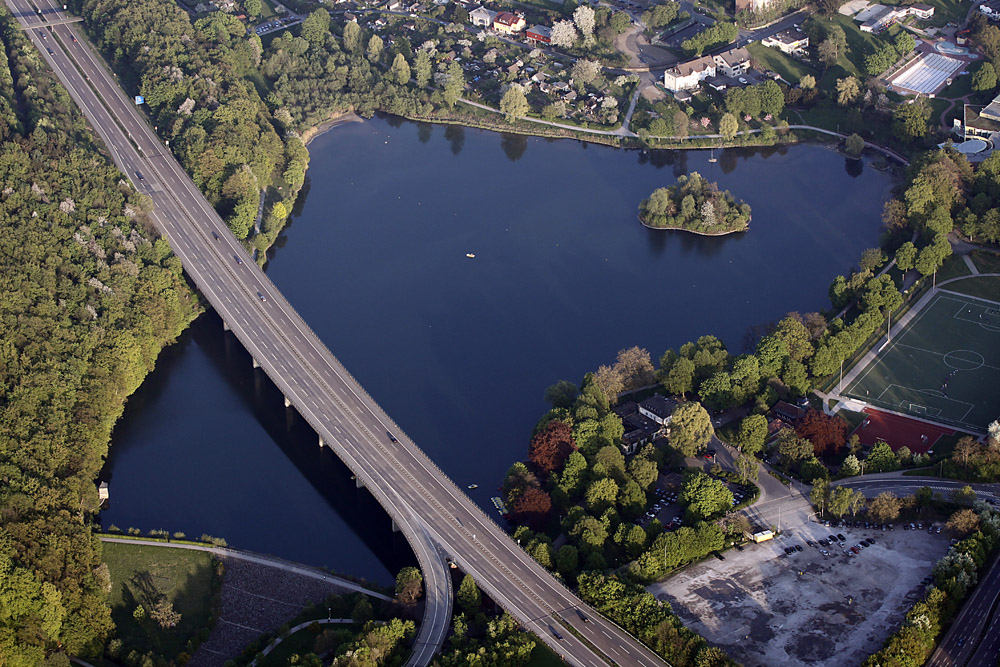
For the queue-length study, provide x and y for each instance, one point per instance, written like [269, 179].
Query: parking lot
[766, 607]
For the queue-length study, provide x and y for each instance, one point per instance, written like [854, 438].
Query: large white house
[791, 41]
[733, 63]
[687, 76]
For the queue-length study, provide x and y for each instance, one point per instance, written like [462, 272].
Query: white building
[482, 17]
[687, 76]
[792, 42]
[734, 62]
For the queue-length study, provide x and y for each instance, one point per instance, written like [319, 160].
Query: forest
[91, 294]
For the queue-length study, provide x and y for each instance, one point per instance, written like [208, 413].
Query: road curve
[430, 510]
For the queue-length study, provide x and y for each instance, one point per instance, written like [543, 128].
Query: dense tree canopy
[90, 296]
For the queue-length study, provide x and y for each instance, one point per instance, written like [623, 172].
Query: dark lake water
[459, 351]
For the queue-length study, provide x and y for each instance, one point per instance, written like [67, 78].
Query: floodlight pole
[888, 329]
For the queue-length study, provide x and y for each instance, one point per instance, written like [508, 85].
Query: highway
[430, 510]
[966, 643]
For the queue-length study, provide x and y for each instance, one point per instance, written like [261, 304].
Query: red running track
[899, 431]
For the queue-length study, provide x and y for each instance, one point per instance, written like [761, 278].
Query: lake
[459, 350]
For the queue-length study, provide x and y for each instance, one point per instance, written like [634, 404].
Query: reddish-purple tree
[827, 433]
[551, 447]
[532, 509]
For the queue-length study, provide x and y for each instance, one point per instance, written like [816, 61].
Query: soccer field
[944, 366]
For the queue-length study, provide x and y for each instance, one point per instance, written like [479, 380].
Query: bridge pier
[395, 527]
[321, 443]
[256, 364]
[288, 402]
[225, 326]
[358, 483]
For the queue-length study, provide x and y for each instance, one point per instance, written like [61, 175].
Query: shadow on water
[514, 145]
[260, 399]
[854, 167]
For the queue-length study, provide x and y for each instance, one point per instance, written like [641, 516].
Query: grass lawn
[954, 267]
[985, 287]
[142, 575]
[859, 44]
[820, 116]
[960, 87]
[543, 656]
[267, 11]
[986, 262]
[789, 68]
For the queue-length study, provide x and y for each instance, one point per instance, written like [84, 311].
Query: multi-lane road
[431, 511]
[966, 644]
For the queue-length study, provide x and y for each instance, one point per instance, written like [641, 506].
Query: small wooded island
[695, 205]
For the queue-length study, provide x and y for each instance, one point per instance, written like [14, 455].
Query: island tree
[696, 205]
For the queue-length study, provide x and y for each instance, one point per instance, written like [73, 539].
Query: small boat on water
[472, 486]
[470, 255]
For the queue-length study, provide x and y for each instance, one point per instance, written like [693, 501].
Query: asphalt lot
[767, 608]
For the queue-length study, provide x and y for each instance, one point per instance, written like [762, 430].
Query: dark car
[718, 555]
[138, 174]
[261, 296]
[73, 37]
[841, 537]
[583, 617]
[215, 236]
[391, 436]
[798, 547]
[833, 539]
[41, 32]
[739, 548]
[555, 633]
[237, 258]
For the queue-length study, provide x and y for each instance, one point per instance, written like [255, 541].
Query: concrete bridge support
[321, 442]
[256, 364]
[225, 326]
[288, 402]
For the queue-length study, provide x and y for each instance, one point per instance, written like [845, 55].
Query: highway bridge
[435, 516]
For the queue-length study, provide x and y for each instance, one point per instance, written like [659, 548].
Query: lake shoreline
[694, 231]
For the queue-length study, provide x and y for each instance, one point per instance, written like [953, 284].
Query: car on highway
[73, 37]
[215, 236]
[960, 643]
[555, 633]
[51, 52]
[138, 174]
[391, 436]
[583, 617]
[237, 258]
[260, 296]
[41, 32]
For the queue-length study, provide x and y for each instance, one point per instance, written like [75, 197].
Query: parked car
[855, 550]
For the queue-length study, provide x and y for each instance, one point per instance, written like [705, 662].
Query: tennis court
[944, 366]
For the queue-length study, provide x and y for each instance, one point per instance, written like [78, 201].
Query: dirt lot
[766, 608]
